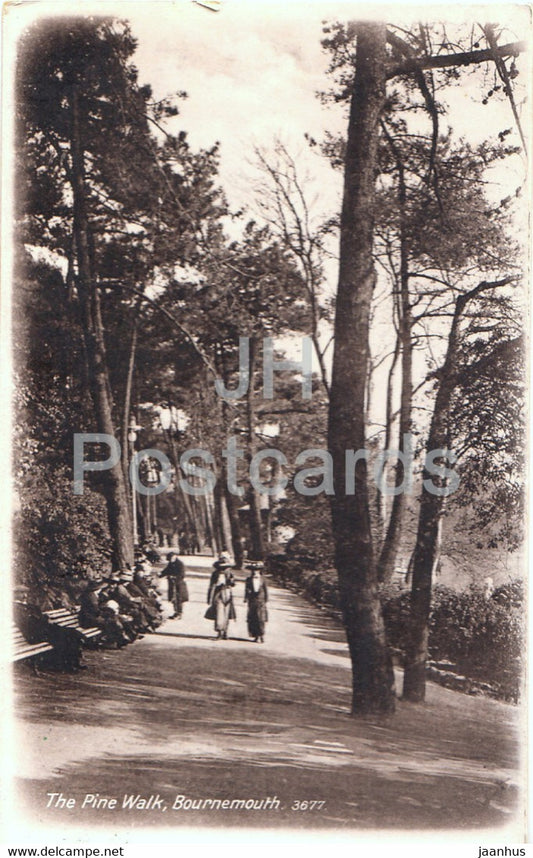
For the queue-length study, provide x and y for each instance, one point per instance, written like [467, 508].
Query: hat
[224, 561]
[126, 575]
[254, 564]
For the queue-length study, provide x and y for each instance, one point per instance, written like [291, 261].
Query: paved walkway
[179, 714]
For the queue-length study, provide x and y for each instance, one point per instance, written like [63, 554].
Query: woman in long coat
[220, 598]
[256, 594]
[177, 586]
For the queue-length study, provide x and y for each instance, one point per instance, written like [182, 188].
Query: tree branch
[466, 58]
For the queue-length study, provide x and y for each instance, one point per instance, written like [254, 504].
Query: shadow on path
[178, 714]
[210, 637]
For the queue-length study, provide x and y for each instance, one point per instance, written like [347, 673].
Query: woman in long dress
[220, 598]
[256, 594]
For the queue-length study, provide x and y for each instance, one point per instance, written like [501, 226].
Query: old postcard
[265, 312]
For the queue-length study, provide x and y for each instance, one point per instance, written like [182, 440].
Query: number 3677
[307, 805]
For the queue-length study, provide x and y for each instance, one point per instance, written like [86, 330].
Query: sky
[252, 70]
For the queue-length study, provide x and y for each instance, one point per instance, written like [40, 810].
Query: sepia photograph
[265, 341]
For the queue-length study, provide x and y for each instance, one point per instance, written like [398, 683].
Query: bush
[482, 637]
[60, 539]
[320, 587]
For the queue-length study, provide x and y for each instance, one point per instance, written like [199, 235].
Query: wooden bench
[68, 619]
[22, 649]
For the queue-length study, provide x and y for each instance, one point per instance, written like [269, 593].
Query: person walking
[256, 595]
[220, 598]
[177, 586]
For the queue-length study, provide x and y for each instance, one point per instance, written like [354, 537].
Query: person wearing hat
[256, 595]
[224, 562]
[90, 614]
[144, 617]
[94, 611]
[150, 606]
[178, 593]
[131, 614]
[219, 596]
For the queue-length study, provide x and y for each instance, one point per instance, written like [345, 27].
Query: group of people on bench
[123, 606]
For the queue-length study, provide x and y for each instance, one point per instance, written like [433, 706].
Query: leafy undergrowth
[475, 643]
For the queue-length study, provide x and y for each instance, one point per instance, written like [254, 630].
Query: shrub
[482, 637]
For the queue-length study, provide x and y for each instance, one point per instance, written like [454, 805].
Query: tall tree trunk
[391, 542]
[119, 518]
[222, 518]
[232, 503]
[373, 678]
[213, 529]
[218, 516]
[235, 526]
[257, 546]
[198, 525]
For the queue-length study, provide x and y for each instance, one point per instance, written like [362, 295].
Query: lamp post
[150, 476]
[133, 430]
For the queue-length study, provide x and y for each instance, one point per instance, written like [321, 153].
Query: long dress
[221, 599]
[257, 598]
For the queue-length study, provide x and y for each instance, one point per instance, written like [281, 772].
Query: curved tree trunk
[381, 500]
[127, 401]
[428, 534]
[392, 539]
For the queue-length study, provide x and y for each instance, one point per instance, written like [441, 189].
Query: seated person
[36, 626]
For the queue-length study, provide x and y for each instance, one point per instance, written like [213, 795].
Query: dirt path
[180, 714]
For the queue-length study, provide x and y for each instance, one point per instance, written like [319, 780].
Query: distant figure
[220, 597]
[177, 586]
[150, 552]
[488, 589]
[184, 543]
[256, 594]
